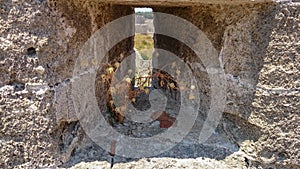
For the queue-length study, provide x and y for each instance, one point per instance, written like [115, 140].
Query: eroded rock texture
[258, 46]
[40, 42]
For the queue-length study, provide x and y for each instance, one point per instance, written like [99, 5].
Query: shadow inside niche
[225, 141]
[232, 129]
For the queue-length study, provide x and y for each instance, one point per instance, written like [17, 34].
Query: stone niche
[239, 33]
[243, 34]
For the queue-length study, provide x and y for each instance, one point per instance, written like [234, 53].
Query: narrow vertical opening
[143, 46]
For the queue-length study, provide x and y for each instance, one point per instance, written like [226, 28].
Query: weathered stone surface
[276, 101]
[157, 163]
[65, 111]
[39, 42]
[27, 124]
[258, 43]
[184, 2]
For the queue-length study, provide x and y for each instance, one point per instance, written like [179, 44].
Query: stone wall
[40, 41]
[258, 46]
[241, 47]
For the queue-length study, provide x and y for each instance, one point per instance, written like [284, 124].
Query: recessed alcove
[230, 29]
